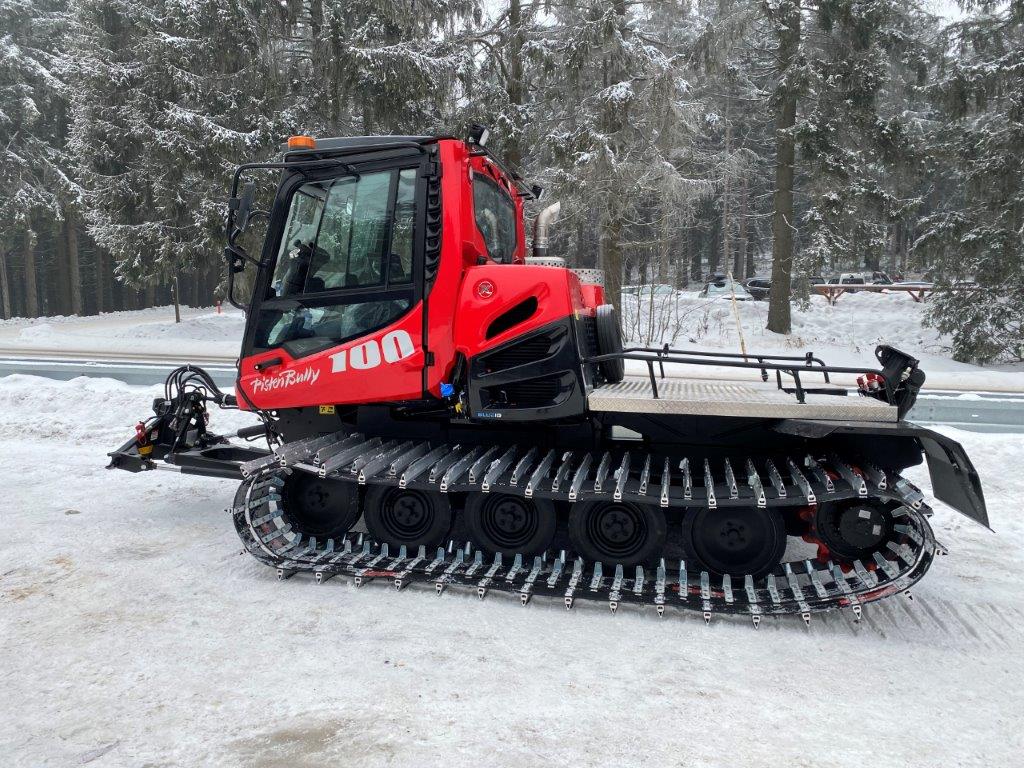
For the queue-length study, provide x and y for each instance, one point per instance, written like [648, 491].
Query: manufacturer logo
[393, 347]
[286, 379]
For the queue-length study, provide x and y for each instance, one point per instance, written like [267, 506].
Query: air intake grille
[534, 393]
[527, 351]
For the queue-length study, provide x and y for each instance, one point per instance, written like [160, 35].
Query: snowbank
[202, 332]
[133, 633]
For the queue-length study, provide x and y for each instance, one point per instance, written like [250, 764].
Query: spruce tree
[977, 233]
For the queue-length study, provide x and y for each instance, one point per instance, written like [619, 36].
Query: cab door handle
[264, 364]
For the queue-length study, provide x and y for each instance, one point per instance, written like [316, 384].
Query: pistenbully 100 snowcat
[416, 372]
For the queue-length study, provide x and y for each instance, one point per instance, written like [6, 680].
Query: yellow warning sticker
[326, 410]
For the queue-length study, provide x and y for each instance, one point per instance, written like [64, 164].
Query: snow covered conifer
[977, 233]
[168, 97]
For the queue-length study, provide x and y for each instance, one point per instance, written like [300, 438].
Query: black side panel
[954, 479]
[536, 376]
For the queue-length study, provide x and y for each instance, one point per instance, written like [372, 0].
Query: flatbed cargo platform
[756, 399]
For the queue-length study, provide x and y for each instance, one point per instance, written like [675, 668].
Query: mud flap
[954, 479]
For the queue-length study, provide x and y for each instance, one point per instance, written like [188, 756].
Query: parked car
[758, 287]
[848, 278]
[861, 278]
[724, 290]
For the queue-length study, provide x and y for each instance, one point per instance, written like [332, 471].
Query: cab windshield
[345, 264]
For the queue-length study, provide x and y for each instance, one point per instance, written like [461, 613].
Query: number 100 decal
[393, 346]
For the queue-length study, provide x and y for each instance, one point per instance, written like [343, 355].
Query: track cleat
[577, 574]
[527, 590]
[485, 583]
[285, 573]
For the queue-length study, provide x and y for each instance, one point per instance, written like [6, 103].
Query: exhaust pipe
[540, 229]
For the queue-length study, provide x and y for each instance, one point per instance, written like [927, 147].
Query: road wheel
[735, 540]
[609, 341]
[318, 506]
[614, 532]
[398, 516]
[499, 522]
[852, 530]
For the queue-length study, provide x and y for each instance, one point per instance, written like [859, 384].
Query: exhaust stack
[540, 229]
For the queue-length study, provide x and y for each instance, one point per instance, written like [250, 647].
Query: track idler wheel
[853, 529]
[401, 516]
[499, 522]
[320, 507]
[617, 532]
[735, 540]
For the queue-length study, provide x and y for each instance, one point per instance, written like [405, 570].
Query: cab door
[337, 316]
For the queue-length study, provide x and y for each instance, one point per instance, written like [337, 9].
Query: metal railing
[781, 364]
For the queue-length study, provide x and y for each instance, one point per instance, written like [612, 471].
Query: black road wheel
[609, 340]
[852, 529]
[400, 516]
[320, 507]
[735, 540]
[617, 532]
[499, 522]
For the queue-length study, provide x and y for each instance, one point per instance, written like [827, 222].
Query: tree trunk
[788, 24]
[514, 86]
[611, 258]
[726, 182]
[5, 286]
[664, 246]
[59, 279]
[753, 243]
[714, 252]
[740, 260]
[31, 290]
[74, 275]
[176, 293]
[695, 245]
[99, 281]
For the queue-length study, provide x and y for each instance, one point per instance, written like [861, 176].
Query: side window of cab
[495, 215]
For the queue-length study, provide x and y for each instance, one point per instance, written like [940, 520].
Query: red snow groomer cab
[439, 406]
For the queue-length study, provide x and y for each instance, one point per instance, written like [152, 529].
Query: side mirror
[240, 211]
[245, 206]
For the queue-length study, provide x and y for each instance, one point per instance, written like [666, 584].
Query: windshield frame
[293, 180]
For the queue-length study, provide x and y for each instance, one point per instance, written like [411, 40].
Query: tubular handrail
[765, 363]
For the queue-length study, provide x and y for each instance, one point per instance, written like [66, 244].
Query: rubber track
[801, 588]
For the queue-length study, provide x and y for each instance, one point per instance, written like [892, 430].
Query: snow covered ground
[132, 632]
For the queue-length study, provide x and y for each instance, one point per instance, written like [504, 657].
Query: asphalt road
[975, 411]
